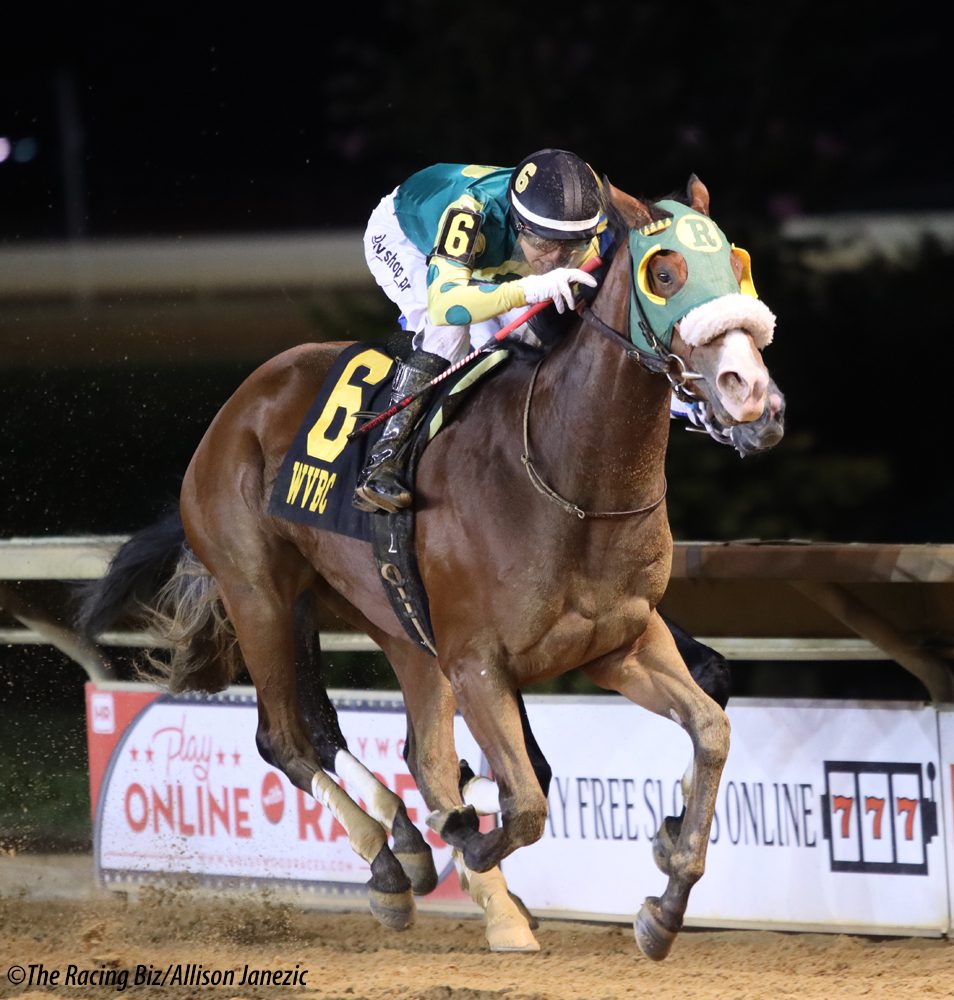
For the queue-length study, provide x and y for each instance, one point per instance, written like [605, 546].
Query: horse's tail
[135, 575]
[157, 578]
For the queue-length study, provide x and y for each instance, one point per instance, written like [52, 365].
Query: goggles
[562, 253]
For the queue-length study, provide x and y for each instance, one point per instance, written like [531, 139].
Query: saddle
[317, 476]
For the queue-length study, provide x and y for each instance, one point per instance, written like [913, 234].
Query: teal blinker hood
[707, 253]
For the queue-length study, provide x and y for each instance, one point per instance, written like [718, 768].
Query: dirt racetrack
[94, 937]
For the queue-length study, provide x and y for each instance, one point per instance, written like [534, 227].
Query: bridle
[648, 350]
[664, 362]
[661, 361]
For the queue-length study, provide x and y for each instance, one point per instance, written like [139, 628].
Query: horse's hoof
[664, 843]
[655, 940]
[419, 868]
[466, 774]
[455, 826]
[507, 929]
[524, 912]
[516, 938]
[395, 910]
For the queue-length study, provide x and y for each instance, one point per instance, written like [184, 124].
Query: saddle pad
[317, 477]
[316, 480]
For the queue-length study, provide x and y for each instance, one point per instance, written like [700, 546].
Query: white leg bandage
[365, 836]
[382, 803]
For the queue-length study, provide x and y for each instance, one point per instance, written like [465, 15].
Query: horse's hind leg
[321, 718]
[654, 675]
[411, 850]
[263, 620]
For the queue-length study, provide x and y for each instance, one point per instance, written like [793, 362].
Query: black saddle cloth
[316, 480]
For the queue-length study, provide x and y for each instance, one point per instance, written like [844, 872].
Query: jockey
[462, 250]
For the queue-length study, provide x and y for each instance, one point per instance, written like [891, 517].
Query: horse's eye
[664, 276]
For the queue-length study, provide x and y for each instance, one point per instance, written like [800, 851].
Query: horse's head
[692, 306]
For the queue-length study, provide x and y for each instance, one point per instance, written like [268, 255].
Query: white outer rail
[86, 558]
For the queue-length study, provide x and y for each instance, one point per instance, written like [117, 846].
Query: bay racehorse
[145, 563]
[551, 584]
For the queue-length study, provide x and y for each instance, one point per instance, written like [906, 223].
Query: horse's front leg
[710, 670]
[653, 674]
[432, 760]
[490, 708]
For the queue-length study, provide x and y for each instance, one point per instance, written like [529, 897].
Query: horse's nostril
[732, 384]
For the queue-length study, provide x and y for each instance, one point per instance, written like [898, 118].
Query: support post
[932, 671]
[68, 641]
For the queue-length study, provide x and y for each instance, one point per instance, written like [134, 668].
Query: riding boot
[381, 484]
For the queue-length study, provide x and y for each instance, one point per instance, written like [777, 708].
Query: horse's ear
[698, 195]
[634, 212]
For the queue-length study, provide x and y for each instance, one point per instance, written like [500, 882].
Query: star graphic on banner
[236, 756]
[134, 753]
[221, 757]
[149, 754]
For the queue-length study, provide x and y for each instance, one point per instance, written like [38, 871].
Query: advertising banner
[179, 788]
[830, 815]
[827, 816]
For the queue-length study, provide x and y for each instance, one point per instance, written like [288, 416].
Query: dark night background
[158, 126]
[276, 120]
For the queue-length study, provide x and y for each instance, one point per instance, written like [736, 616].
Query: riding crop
[502, 334]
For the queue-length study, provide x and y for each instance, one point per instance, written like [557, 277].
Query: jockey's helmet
[555, 195]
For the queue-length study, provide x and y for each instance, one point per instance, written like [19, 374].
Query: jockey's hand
[555, 285]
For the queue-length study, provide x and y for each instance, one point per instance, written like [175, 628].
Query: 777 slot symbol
[876, 817]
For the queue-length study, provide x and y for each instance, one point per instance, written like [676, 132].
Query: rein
[541, 486]
[663, 362]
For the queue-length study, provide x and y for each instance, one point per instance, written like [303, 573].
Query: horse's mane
[619, 204]
[681, 196]
[619, 229]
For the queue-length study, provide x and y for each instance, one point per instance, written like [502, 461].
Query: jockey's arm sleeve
[455, 298]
